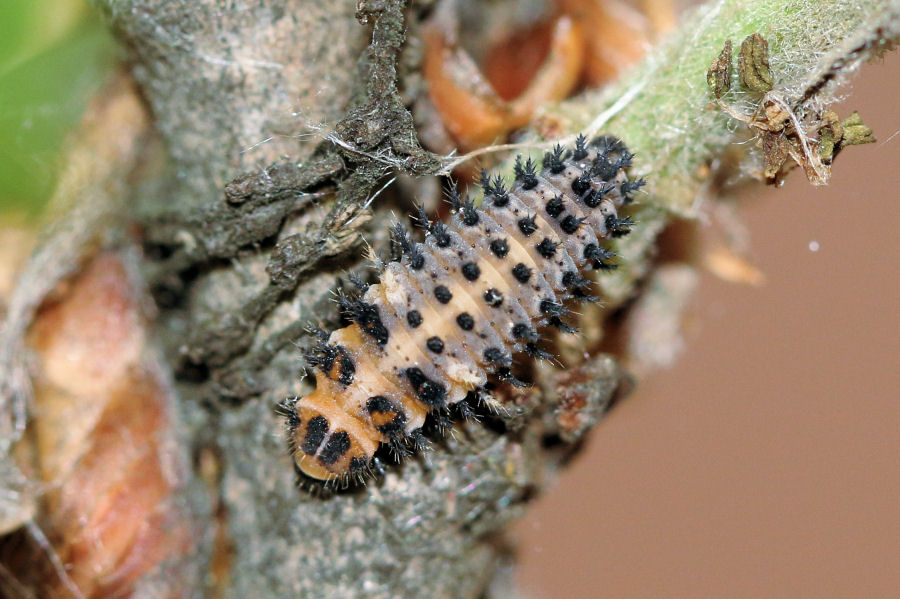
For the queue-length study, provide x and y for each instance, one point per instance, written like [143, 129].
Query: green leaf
[42, 96]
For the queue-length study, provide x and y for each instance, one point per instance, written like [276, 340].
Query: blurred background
[53, 55]
[765, 464]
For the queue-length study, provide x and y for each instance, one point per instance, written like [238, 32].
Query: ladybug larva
[453, 311]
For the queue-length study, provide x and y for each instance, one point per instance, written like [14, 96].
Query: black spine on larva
[367, 316]
[553, 160]
[526, 174]
[580, 152]
[475, 293]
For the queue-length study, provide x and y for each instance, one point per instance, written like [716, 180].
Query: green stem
[672, 123]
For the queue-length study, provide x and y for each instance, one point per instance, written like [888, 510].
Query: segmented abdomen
[455, 309]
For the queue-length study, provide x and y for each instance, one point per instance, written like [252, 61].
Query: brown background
[767, 463]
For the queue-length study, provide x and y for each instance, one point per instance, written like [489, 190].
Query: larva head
[328, 444]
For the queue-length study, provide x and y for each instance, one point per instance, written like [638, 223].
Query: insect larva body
[454, 310]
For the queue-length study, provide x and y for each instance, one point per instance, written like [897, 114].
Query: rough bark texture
[233, 85]
[279, 121]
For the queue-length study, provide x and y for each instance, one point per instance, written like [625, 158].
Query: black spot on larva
[524, 332]
[414, 318]
[429, 392]
[527, 225]
[493, 297]
[416, 261]
[570, 224]
[547, 248]
[323, 356]
[358, 466]
[337, 445]
[367, 317]
[316, 429]
[553, 160]
[500, 248]
[535, 352]
[580, 152]
[572, 279]
[555, 207]
[496, 356]
[599, 256]
[619, 227]
[395, 427]
[593, 198]
[581, 184]
[379, 404]
[435, 344]
[521, 272]
[552, 308]
[348, 368]
[603, 168]
[465, 321]
[526, 174]
[470, 271]
[442, 294]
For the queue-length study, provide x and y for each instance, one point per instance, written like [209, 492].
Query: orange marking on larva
[454, 310]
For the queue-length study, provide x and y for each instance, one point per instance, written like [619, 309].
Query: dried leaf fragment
[830, 133]
[855, 131]
[785, 131]
[753, 64]
[718, 77]
[835, 134]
